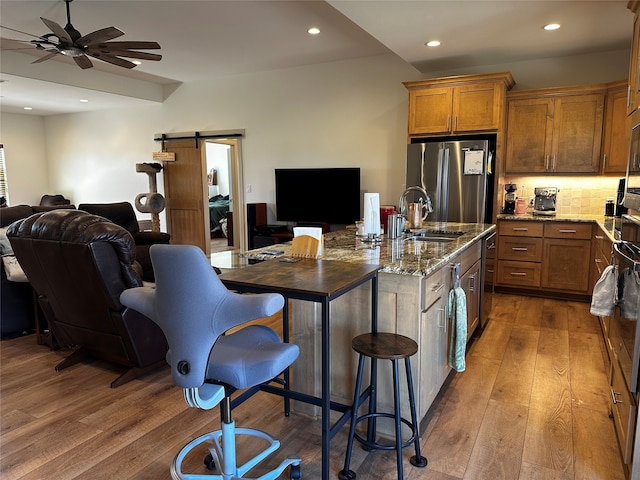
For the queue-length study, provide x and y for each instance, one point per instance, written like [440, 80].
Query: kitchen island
[413, 286]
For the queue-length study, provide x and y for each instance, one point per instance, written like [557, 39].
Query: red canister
[385, 211]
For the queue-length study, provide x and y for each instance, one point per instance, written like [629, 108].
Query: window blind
[4, 191]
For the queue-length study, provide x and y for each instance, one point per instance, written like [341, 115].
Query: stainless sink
[435, 236]
[431, 238]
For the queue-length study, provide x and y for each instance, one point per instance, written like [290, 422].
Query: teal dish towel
[458, 317]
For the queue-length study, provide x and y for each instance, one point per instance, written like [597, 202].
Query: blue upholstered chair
[194, 310]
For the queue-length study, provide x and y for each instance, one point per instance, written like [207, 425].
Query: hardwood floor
[220, 245]
[531, 405]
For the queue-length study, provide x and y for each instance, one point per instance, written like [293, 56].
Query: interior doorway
[223, 190]
[186, 182]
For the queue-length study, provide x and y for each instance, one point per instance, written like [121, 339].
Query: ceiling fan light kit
[70, 42]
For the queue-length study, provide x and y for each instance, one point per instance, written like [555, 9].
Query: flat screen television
[318, 195]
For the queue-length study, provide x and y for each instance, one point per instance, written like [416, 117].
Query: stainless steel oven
[626, 335]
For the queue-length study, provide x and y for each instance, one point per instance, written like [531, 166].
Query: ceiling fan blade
[13, 44]
[120, 62]
[16, 49]
[20, 31]
[46, 57]
[122, 46]
[126, 53]
[57, 30]
[102, 35]
[83, 62]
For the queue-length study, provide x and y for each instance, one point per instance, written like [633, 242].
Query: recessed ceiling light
[314, 31]
[433, 43]
[84, 100]
[551, 26]
[27, 108]
[137, 62]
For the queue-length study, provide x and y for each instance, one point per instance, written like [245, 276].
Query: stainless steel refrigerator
[457, 175]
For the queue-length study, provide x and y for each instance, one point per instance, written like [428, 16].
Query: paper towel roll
[372, 213]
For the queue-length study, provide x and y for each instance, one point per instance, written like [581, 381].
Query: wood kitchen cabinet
[624, 410]
[434, 340]
[566, 259]
[549, 256]
[519, 253]
[602, 250]
[470, 283]
[460, 104]
[617, 131]
[633, 93]
[556, 130]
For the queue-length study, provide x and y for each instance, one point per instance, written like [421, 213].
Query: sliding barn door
[186, 194]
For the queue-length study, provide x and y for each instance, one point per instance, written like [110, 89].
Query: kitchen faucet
[402, 202]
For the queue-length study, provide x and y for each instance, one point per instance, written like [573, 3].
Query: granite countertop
[400, 256]
[606, 224]
[407, 257]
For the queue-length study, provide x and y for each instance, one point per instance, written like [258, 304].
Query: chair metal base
[224, 441]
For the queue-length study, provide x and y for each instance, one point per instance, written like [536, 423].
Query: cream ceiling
[206, 39]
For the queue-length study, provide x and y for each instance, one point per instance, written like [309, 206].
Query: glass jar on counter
[609, 208]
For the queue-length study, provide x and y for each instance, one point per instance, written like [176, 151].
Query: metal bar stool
[386, 346]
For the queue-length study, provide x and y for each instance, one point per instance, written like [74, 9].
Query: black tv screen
[319, 195]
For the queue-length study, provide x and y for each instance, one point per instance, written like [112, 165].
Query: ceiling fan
[70, 42]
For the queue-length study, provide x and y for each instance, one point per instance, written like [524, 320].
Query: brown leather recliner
[79, 264]
[122, 213]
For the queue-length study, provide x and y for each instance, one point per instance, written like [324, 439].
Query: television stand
[264, 235]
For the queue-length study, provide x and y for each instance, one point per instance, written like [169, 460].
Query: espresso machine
[510, 199]
[544, 202]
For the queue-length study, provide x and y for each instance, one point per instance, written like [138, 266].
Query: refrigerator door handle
[422, 166]
[443, 183]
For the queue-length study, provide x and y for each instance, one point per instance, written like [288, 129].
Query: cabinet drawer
[467, 258]
[624, 412]
[521, 249]
[434, 287]
[525, 274]
[567, 230]
[603, 243]
[520, 229]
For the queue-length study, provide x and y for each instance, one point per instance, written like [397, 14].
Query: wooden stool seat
[387, 346]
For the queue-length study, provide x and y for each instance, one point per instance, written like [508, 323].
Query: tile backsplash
[576, 195]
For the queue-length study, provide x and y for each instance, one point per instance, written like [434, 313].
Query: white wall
[93, 155]
[23, 137]
[218, 159]
[349, 113]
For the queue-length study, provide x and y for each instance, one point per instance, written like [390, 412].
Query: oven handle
[636, 264]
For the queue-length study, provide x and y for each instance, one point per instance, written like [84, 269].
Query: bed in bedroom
[218, 208]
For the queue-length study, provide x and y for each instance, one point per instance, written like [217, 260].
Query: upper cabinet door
[554, 132]
[430, 110]
[577, 133]
[460, 104]
[529, 135]
[616, 132]
[633, 95]
[477, 107]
